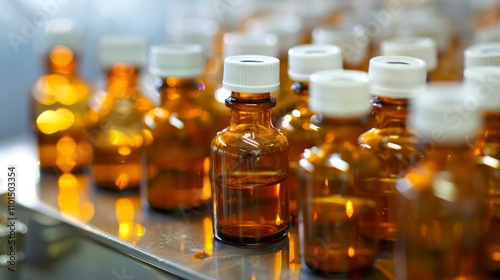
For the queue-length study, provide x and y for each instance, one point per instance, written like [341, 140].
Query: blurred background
[22, 25]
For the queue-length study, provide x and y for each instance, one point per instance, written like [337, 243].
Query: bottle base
[245, 236]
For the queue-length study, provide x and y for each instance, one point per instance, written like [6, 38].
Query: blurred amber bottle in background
[297, 124]
[60, 102]
[249, 159]
[177, 134]
[334, 216]
[394, 81]
[483, 84]
[117, 111]
[442, 210]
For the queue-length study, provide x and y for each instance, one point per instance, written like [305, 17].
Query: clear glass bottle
[333, 213]
[249, 159]
[480, 55]
[418, 47]
[394, 81]
[177, 134]
[116, 130]
[442, 210]
[350, 38]
[483, 84]
[297, 125]
[60, 103]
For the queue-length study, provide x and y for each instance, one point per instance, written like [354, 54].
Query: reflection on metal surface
[72, 200]
[208, 234]
[128, 229]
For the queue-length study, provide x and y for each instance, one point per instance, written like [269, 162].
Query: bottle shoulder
[234, 139]
[60, 90]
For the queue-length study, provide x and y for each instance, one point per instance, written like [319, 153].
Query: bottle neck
[62, 61]
[441, 154]
[250, 109]
[342, 128]
[301, 89]
[176, 89]
[122, 80]
[390, 112]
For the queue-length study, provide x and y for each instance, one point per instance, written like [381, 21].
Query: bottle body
[302, 133]
[249, 171]
[396, 147]
[116, 133]
[337, 224]
[177, 137]
[442, 218]
[60, 114]
[487, 150]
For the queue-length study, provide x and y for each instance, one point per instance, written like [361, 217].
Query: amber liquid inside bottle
[249, 172]
[116, 133]
[60, 115]
[442, 217]
[487, 149]
[301, 133]
[337, 224]
[177, 138]
[396, 147]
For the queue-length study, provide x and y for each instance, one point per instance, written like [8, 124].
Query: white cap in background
[176, 60]
[304, 60]
[444, 117]
[482, 86]
[64, 32]
[482, 55]
[418, 47]
[201, 31]
[397, 76]
[288, 29]
[123, 49]
[250, 44]
[251, 74]
[351, 39]
[340, 93]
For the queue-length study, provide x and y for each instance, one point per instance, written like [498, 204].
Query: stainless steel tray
[180, 243]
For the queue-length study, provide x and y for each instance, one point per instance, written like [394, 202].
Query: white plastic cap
[123, 49]
[176, 60]
[199, 31]
[482, 55]
[64, 32]
[482, 86]
[397, 76]
[418, 47]
[444, 117]
[248, 44]
[251, 73]
[288, 29]
[340, 93]
[351, 39]
[304, 60]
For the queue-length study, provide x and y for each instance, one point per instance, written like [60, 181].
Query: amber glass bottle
[249, 158]
[351, 39]
[418, 47]
[177, 134]
[333, 213]
[297, 126]
[60, 103]
[116, 131]
[483, 84]
[394, 81]
[442, 201]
